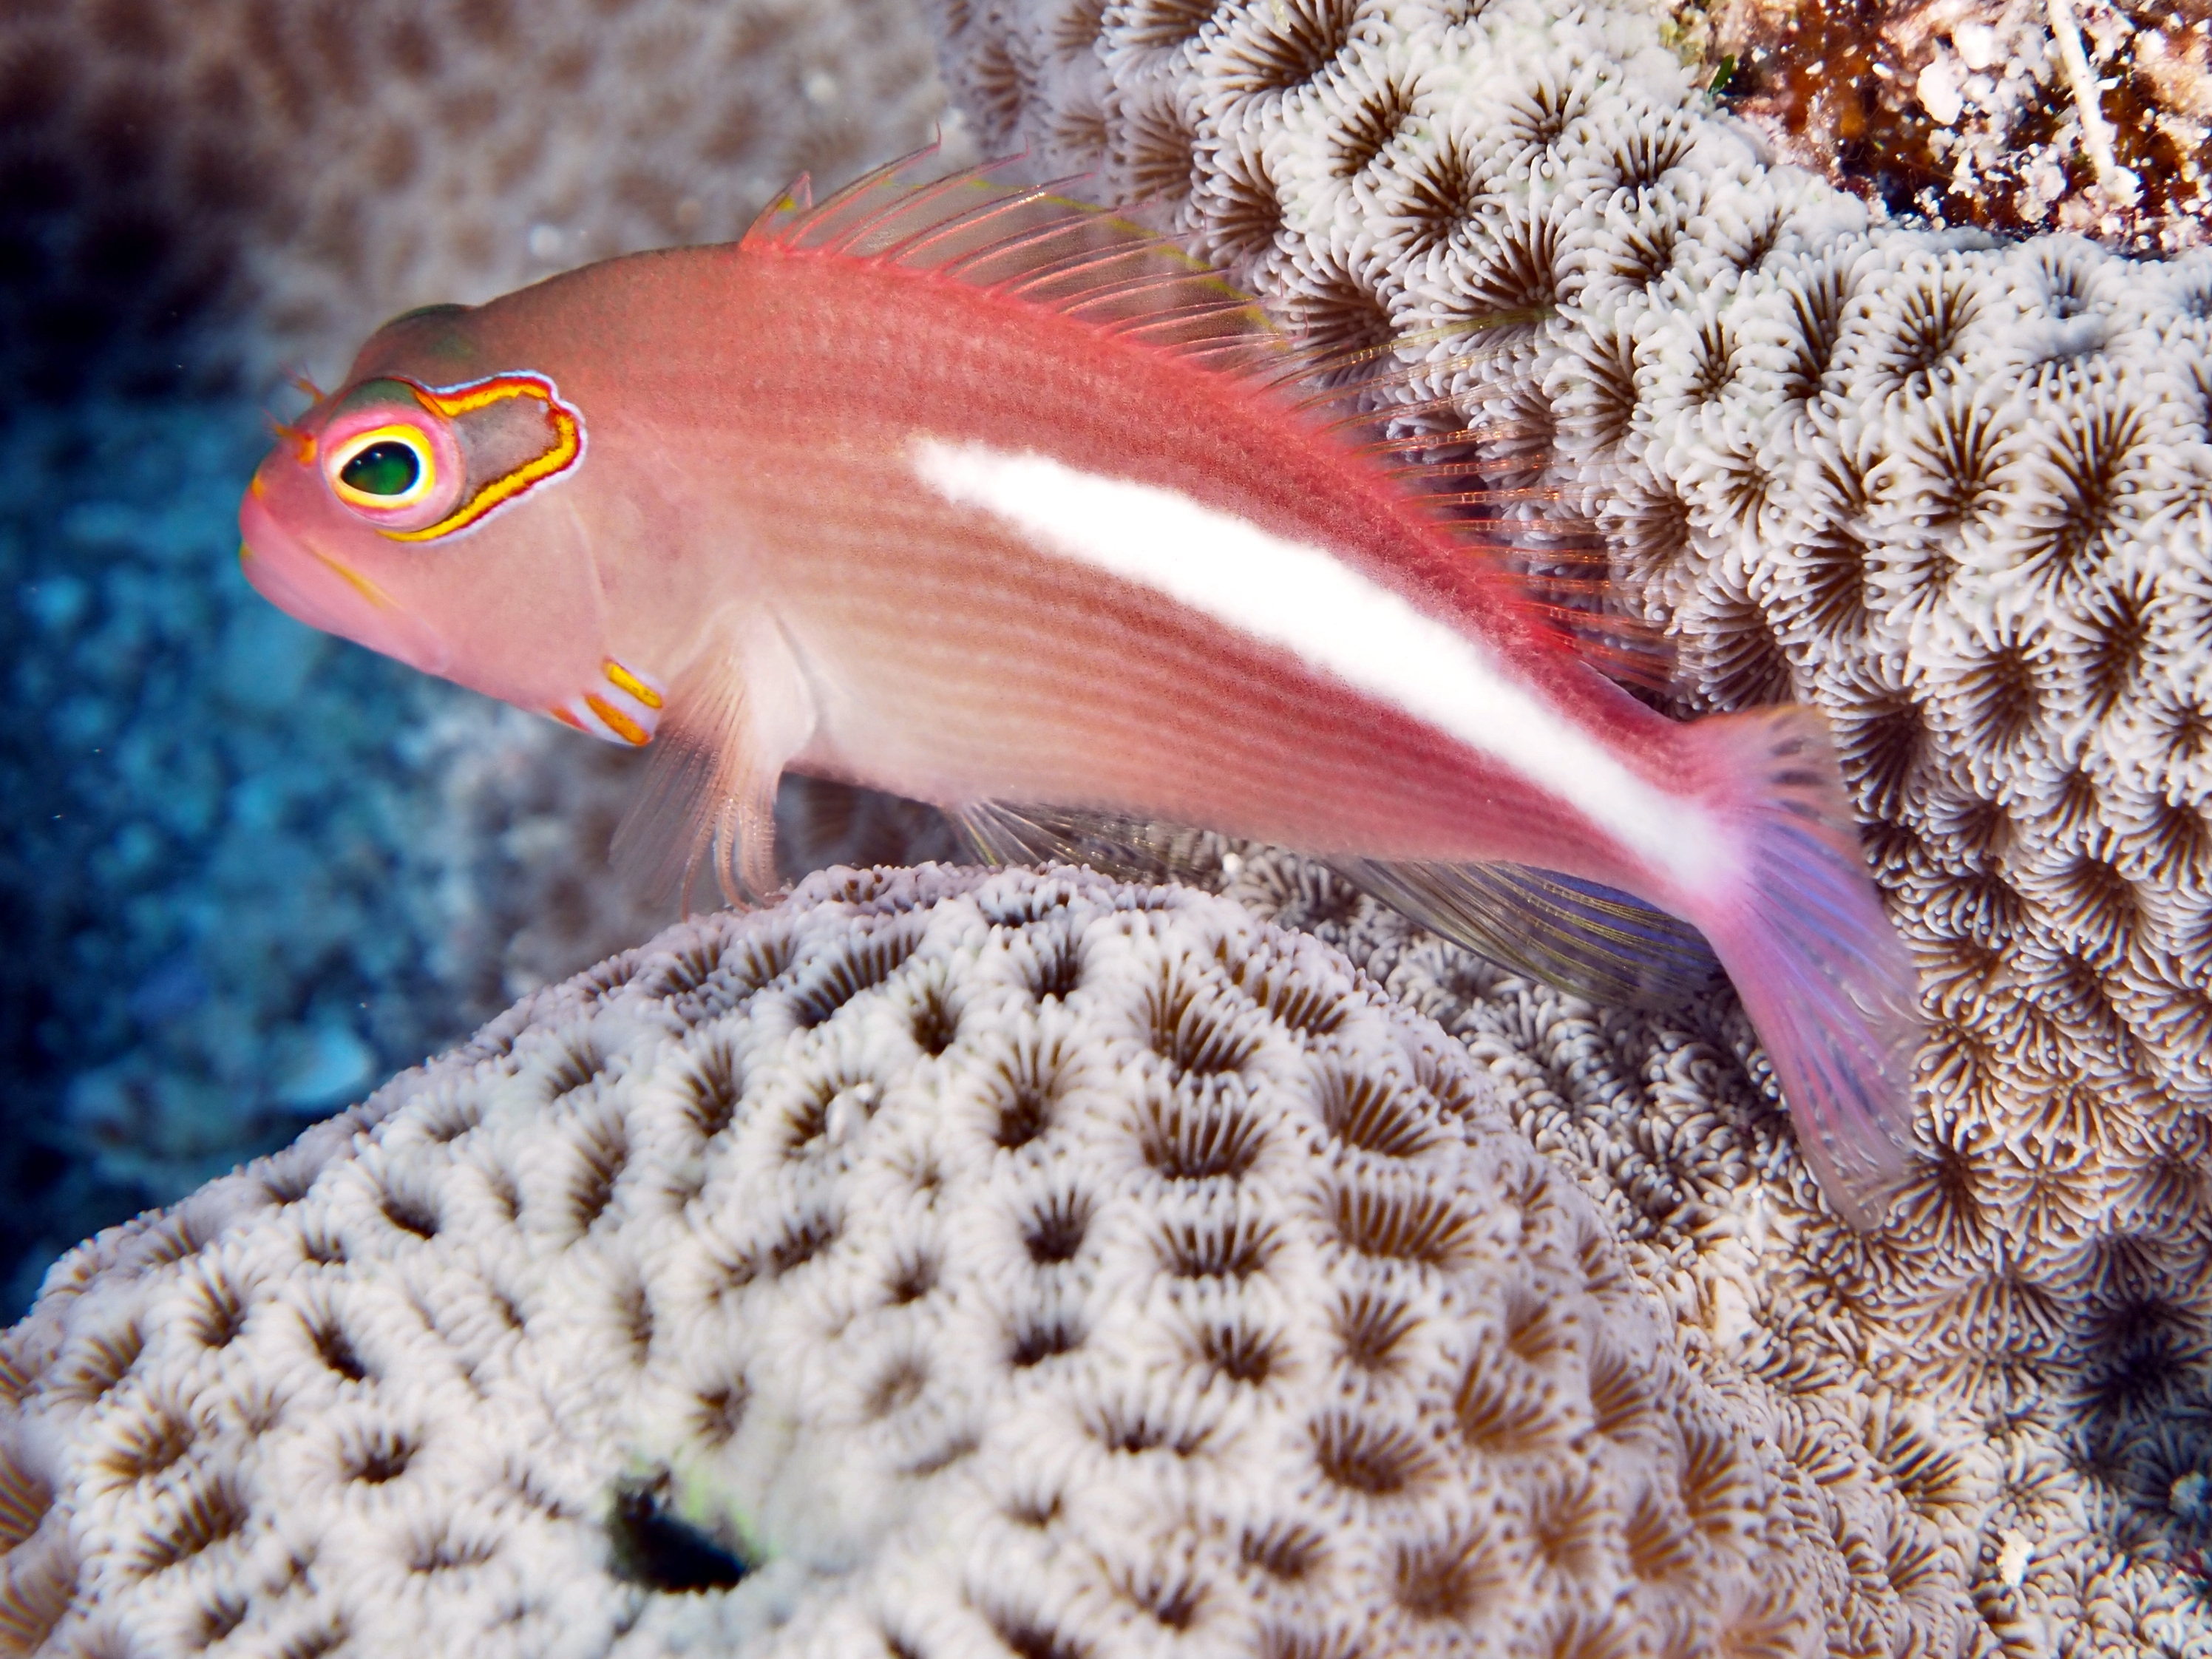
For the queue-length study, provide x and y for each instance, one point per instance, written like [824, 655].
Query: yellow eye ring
[386, 468]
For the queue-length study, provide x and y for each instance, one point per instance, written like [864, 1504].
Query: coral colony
[946, 1264]
[936, 1263]
[1951, 491]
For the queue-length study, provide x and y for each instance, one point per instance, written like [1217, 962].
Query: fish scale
[972, 494]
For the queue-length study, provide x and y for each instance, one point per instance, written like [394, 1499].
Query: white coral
[978, 1261]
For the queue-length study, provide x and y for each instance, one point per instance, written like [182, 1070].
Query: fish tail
[1823, 974]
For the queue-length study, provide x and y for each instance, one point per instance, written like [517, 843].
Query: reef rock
[940, 1263]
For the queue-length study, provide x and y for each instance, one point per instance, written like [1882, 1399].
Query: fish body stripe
[1300, 598]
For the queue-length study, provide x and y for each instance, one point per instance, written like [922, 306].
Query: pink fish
[984, 498]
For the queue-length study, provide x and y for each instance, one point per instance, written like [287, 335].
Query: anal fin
[1127, 848]
[1574, 934]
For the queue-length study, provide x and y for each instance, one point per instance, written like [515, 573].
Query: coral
[316, 168]
[1952, 492]
[938, 1263]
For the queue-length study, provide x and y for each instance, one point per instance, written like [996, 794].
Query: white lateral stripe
[1301, 599]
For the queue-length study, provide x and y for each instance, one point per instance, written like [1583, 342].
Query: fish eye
[384, 468]
[391, 466]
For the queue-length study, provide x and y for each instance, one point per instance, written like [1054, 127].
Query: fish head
[427, 510]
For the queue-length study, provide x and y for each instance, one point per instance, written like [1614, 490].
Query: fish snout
[322, 591]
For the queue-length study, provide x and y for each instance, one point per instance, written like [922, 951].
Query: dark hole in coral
[1034, 1639]
[802, 1241]
[935, 1025]
[1042, 1340]
[573, 1069]
[862, 967]
[1053, 1232]
[1059, 963]
[659, 1549]
[410, 1213]
[335, 1348]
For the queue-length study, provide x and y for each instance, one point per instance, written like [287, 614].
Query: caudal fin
[1822, 973]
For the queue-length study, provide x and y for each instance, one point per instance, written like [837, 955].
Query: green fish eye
[389, 468]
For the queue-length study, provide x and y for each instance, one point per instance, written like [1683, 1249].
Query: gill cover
[421, 463]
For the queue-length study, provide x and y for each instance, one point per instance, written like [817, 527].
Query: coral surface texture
[940, 1263]
[1952, 491]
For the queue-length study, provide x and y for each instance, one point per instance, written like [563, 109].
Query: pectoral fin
[735, 718]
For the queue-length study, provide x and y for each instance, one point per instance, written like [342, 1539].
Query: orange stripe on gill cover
[621, 725]
[454, 400]
[631, 683]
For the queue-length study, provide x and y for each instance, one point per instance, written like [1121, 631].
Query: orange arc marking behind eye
[567, 445]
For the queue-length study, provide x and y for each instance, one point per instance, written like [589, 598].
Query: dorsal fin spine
[1481, 467]
[1494, 497]
[1076, 265]
[1027, 257]
[961, 266]
[961, 223]
[899, 206]
[799, 197]
[1196, 313]
[1242, 355]
[816, 221]
[1134, 286]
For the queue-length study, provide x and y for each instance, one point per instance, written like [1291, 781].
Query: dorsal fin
[1479, 483]
[1035, 244]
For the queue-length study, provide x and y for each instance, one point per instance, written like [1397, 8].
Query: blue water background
[209, 936]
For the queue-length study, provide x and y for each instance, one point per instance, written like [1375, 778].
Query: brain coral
[322, 166]
[938, 1264]
[1955, 492]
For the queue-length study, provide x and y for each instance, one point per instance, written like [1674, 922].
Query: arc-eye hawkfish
[985, 498]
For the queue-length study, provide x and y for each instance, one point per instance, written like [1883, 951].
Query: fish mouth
[324, 592]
